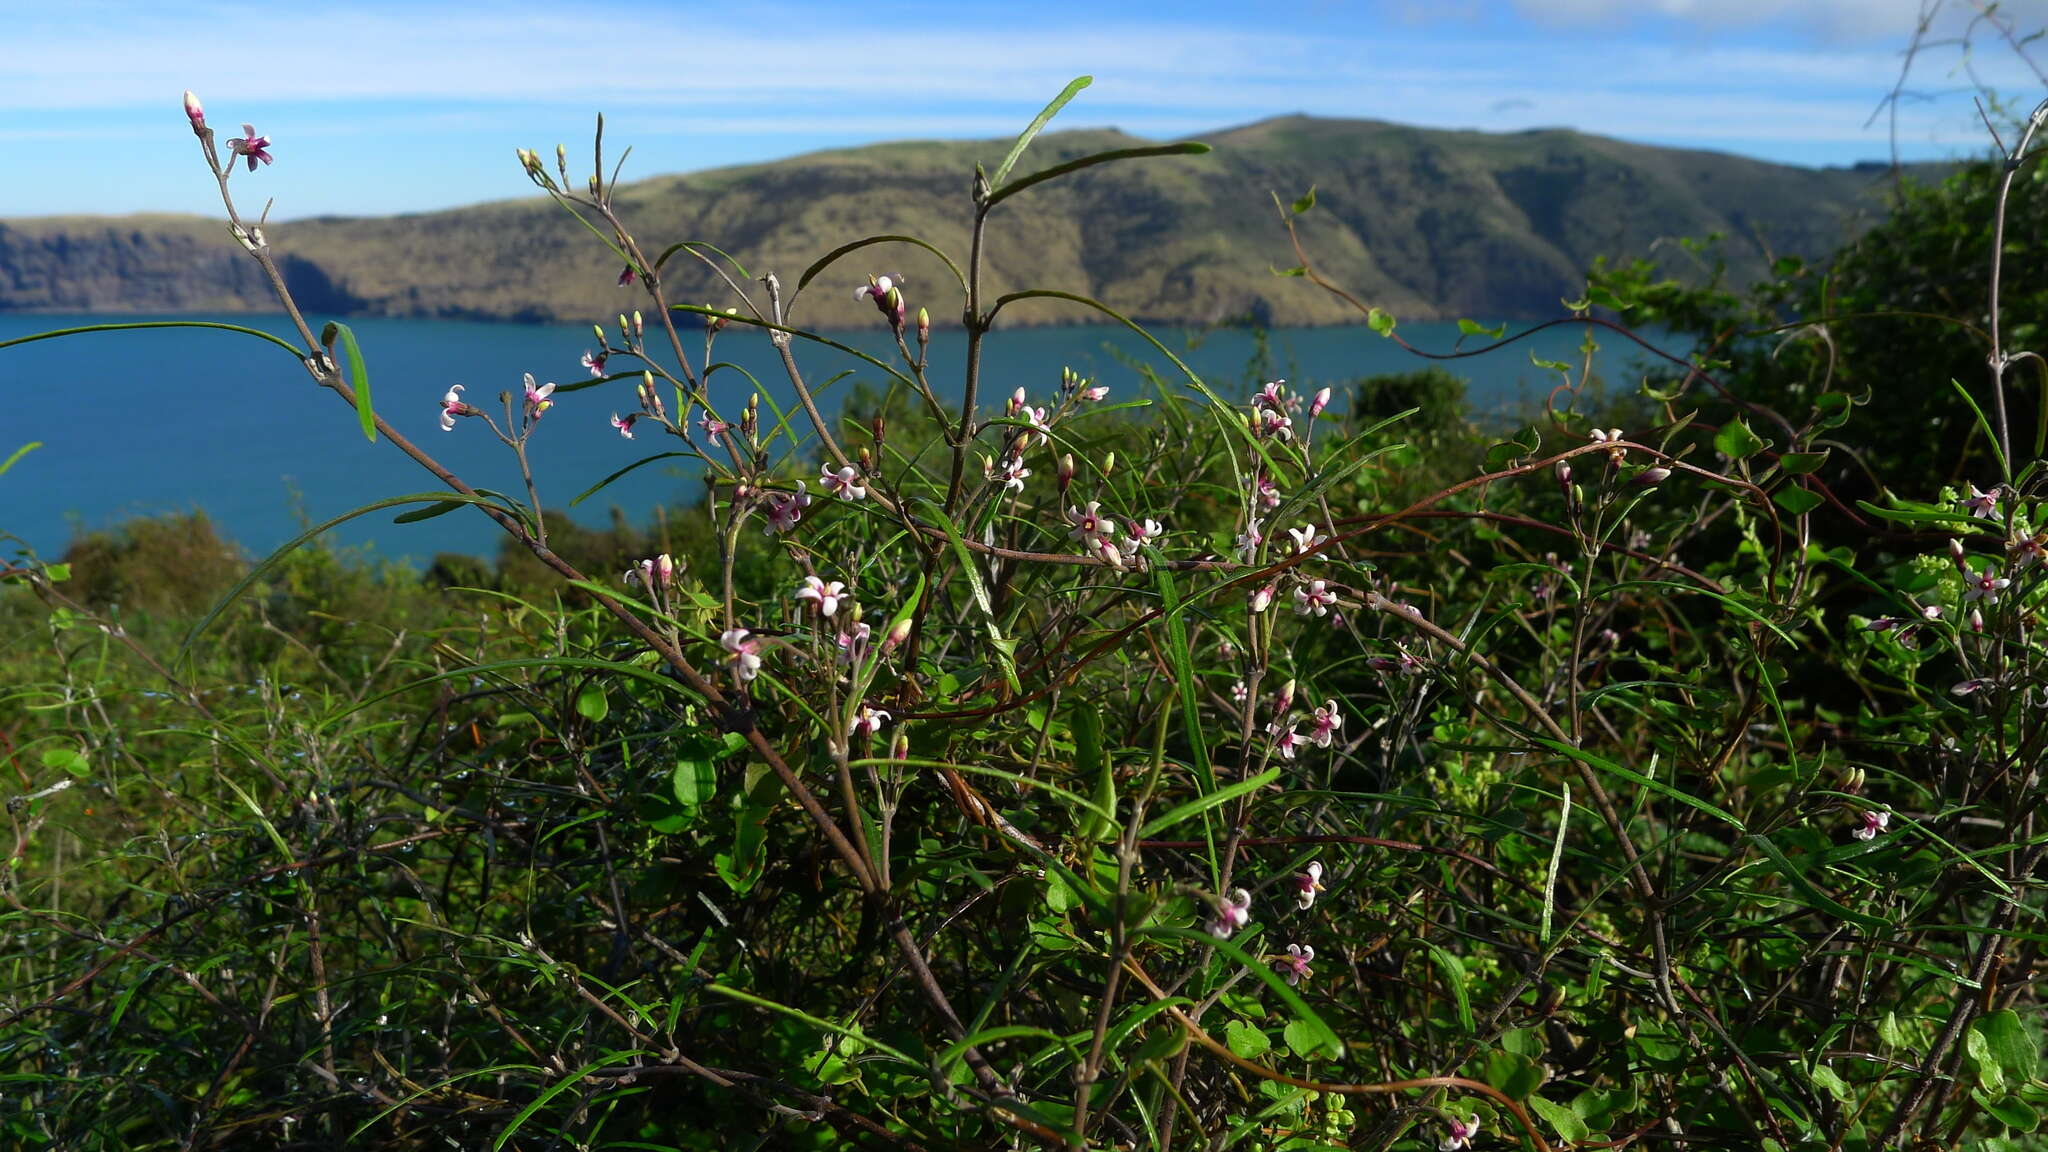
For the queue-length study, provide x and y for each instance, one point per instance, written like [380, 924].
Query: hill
[1427, 223]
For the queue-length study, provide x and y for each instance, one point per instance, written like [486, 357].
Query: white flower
[743, 650]
[1314, 596]
[1306, 538]
[826, 596]
[843, 482]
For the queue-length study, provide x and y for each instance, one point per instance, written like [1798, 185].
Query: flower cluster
[887, 293]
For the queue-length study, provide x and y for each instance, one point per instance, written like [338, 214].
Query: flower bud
[899, 747]
[561, 156]
[597, 330]
[881, 428]
[1955, 553]
[1066, 470]
[1284, 699]
[1321, 402]
[1262, 599]
[625, 330]
[1109, 464]
[639, 327]
[1651, 477]
[664, 569]
[924, 326]
[194, 112]
[898, 633]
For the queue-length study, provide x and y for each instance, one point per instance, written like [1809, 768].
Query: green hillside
[1426, 223]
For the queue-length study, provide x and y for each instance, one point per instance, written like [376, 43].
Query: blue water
[181, 419]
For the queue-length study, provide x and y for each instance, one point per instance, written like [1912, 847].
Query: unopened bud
[1651, 477]
[1016, 401]
[597, 330]
[881, 428]
[899, 748]
[561, 156]
[625, 329]
[194, 112]
[1564, 473]
[924, 326]
[1285, 699]
[1109, 464]
[1262, 599]
[664, 568]
[867, 460]
[639, 326]
[898, 633]
[1321, 402]
[1066, 470]
[1955, 552]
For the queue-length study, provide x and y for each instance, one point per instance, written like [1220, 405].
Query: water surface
[179, 419]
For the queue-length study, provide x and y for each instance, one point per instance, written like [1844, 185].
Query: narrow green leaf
[298, 353]
[979, 590]
[358, 379]
[429, 512]
[1183, 148]
[1036, 126]
[1181, 813]
[1306, 202]
[24, 450]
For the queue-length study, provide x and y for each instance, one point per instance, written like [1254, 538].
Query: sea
[135, 423]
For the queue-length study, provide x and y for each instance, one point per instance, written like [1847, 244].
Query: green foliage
[1578, 784]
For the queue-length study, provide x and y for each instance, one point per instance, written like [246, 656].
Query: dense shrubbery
[1173, 770]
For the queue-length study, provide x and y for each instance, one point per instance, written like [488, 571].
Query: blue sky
[390, 107]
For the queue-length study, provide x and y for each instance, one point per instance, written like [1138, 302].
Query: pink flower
[786, 508]
[1096, 393]
[2027, 551]
[625, 426]
[1295, 966]
[1250, 540]
[249, 145]
[853, 643]
[887, 293]
[713, 429]
[1271, 424]
[868, 721]
[743, 651]
[627, 276]
[537, 400]
[1232, 912]
[1406, 663]
[1273, 397]
[1982, 504]
[1267, 492]
[825, 596]
[843, 482]
[1012, 473]
[1983, 585]
[1238, 692]
[595, 363]
[1325, 723]
[1307, 884]
[1091, 527]
[1285, 740]
[1314, 596]
[1873, 823]
[1460, 1135]
[451, 407]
